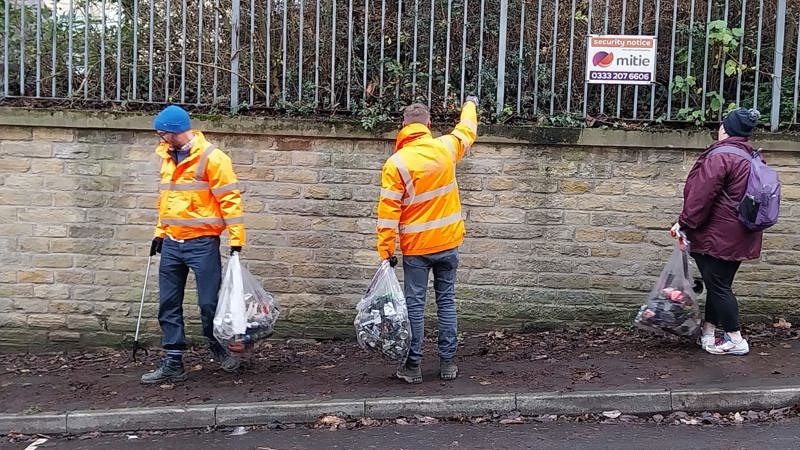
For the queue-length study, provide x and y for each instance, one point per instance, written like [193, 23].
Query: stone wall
[565, 227]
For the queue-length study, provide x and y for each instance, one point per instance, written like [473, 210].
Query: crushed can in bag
[672, 305]
[381, 321]
[246, 313]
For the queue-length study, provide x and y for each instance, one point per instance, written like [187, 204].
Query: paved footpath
[597, 359]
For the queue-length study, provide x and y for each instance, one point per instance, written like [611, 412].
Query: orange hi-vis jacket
[200, 196]
[419, 193]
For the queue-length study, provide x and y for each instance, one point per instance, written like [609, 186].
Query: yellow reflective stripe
[404, 174]
[465, 141]
[390, 194]
[425, 196]
[195, 221]
[433, 224]
[449, 144]
[223, 189]
[201, 166]
[463, 137]
[193, 186]
[471, 124]
[388, 223]
[234, 220]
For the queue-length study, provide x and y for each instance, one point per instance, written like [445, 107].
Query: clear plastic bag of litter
[381, 321]
[671, 306]
[246, 312]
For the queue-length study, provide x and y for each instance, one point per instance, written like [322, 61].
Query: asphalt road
[782, 435]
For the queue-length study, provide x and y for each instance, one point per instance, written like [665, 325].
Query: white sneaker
[728, 347]
[706, 340]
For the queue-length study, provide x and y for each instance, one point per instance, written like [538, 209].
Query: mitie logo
[603, 59]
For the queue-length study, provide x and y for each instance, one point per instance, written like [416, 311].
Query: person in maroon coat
[718, 241]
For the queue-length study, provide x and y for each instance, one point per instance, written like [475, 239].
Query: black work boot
[170, 371]
[409, 374]
[448, 370]
[220, 354]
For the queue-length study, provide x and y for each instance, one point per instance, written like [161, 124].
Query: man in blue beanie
[199, 199]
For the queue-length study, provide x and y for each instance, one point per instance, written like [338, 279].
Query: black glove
[392, 260]
[473, 99]
[236, 249]
[155, 246]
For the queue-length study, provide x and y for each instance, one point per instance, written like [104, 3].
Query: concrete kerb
[735, 399]
[287, 412]
[128, 419]
[627, 402]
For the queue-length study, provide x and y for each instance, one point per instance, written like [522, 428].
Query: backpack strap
[732, 150]
[729, 149]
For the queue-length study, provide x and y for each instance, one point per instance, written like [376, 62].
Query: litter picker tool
[136, 345]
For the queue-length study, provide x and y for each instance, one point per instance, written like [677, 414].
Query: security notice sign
[616, 59]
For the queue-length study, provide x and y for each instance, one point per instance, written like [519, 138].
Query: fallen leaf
[238, 431]
[782, 324]
[497, 334]
[426, 420]
[514, 421]
[368, 422]
[612, 414]
[196, 368]
[330, 421]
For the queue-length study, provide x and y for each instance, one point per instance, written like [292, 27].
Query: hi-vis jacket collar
[410, 133]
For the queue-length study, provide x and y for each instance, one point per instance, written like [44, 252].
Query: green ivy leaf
[730, 67]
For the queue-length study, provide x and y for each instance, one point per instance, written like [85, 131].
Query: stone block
[35, 276]
[294, 175]
[96, 136]
[14, 165]
[47, 321]
[10, 133]
[36, 149]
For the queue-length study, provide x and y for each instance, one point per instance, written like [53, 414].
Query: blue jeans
[202, 256]
[415, 280]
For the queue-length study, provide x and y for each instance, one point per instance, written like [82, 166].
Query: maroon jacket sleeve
[704, 183]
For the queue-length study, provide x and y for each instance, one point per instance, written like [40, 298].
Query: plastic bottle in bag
[381, 321]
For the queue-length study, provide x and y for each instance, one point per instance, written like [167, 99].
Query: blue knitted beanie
[172, 119]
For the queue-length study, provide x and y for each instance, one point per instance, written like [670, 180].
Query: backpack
[758, 209]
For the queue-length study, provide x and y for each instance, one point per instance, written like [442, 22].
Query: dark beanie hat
[741, 122]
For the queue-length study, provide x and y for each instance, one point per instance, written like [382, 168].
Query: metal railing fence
[524, 58]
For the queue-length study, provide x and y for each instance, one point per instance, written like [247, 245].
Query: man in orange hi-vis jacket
[199, 199]
[419, 198]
